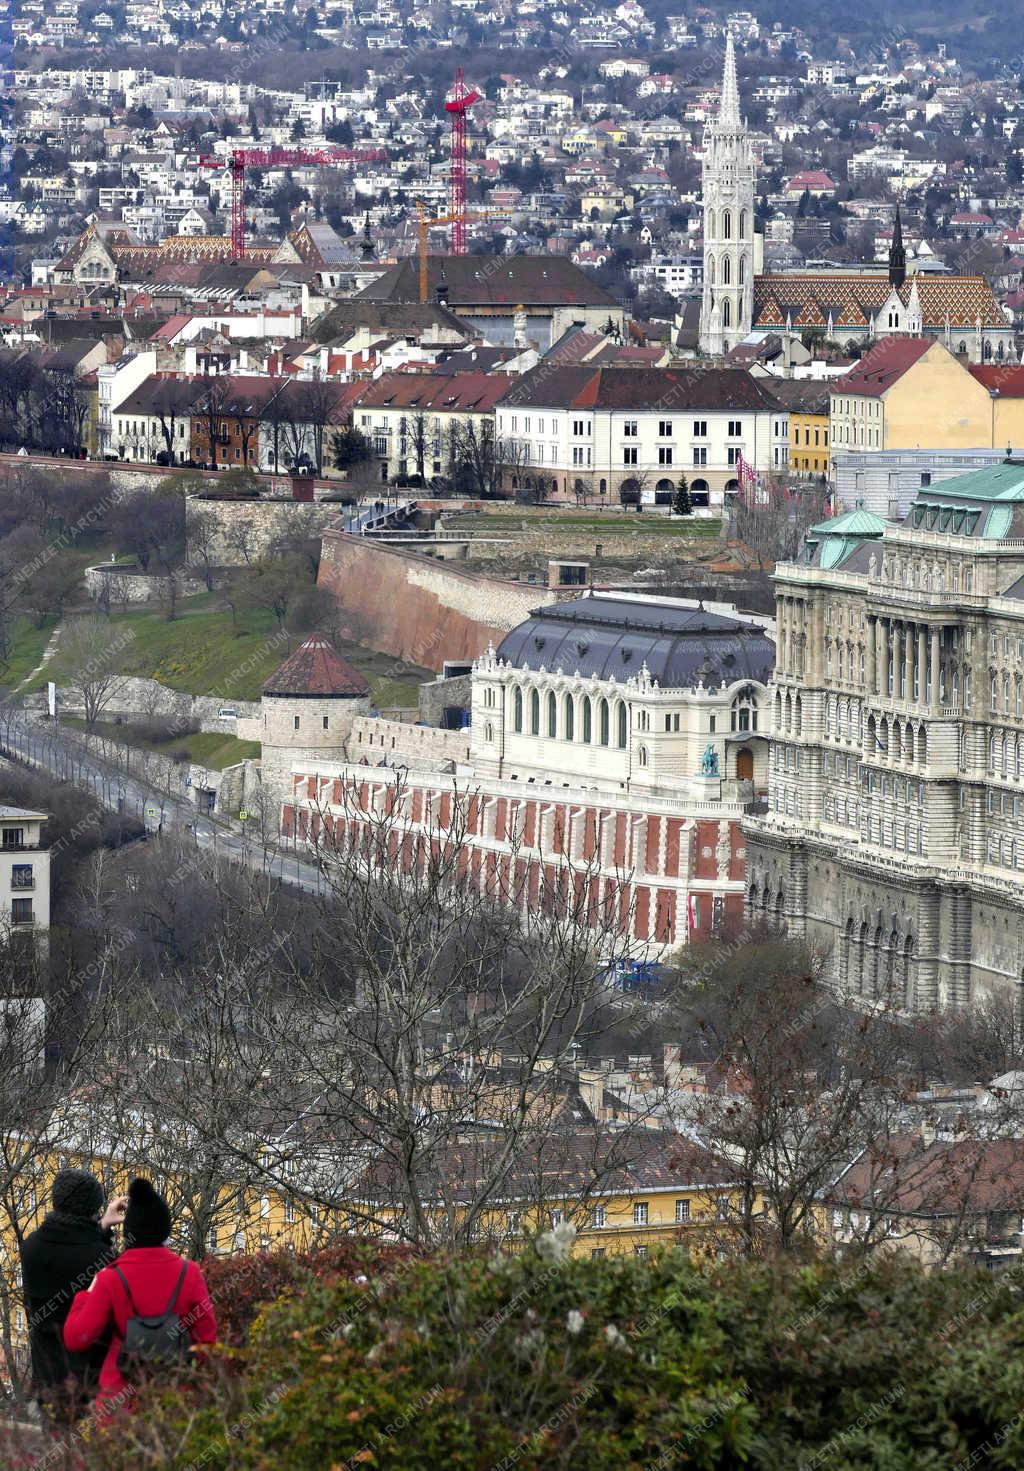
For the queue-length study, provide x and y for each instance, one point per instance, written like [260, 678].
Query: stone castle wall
[399, 741]
[416, 608]
[265, 521]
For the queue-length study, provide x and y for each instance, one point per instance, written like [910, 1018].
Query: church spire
[897, 255]
[729, 107]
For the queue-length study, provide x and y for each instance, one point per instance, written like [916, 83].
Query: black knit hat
[147, 1221]
[77, 1193]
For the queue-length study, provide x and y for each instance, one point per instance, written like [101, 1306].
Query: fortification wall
[415, 608]
[237, 531]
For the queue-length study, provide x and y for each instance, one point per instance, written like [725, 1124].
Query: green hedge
[539, 1362]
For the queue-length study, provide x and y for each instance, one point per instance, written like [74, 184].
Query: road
[46, 749]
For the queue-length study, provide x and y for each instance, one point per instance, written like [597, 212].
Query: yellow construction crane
[426, 224]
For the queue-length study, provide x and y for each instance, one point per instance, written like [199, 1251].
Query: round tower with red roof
[308, 708]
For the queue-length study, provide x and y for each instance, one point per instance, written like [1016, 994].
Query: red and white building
[615, 743]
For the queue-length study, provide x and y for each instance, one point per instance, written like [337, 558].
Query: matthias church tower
[727, 187]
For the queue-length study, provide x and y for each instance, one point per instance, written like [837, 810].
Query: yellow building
[807, 400]
[913, 393]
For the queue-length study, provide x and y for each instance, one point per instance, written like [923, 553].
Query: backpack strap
[175, 1294]
[124, 1281]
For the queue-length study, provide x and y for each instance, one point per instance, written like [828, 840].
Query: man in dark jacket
[58, 1259]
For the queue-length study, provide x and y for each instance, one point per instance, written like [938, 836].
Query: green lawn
[28, 644]
[204, 653]
[646, 523]
[207, 748]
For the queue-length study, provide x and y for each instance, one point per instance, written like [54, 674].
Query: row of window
[844, 811]
[562, 723]
[725, 269]
[1004, 852]
[887, 832]
[901, 789]
[786, 801]
[1002, 684]
[1005, 755]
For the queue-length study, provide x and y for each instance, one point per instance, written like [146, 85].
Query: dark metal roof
[606, 637]
[492, 280]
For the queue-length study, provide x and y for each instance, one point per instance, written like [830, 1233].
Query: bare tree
[92, 649]
[465, 996]
[170, 406]
[803, 1084]
[203, 541]
[210, 408]
[772, 520]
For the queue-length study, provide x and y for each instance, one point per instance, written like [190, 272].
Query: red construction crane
[239, 159]
[458, 105]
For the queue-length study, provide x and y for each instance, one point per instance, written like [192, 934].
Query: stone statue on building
[709, 761]
[723, 850]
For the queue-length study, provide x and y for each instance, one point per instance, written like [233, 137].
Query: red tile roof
[453, 393]
[316, 669]
[640, 388]
[883, 366]
[1004, 379]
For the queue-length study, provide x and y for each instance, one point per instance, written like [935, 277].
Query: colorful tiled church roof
[315, 670]
[853, 298]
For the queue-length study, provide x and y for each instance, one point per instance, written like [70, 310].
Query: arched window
[568, 719]
[711, 270]
[534, 712]
[621, 726]
[517, 708]
[604, 723]
[709, 224]
[726, 313]
[588, 724]
[488, 732]
[726, 270]
[743, 224]
[641, 756]
[742, 275]
[743, 715]
[552, 715]
[727, 224]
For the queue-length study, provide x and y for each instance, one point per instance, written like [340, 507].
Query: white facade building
[610, 433]
[24, 872]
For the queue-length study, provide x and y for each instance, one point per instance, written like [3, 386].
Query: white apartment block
[602, 429]
[24, 871]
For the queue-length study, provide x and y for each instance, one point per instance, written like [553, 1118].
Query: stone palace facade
[896, 774]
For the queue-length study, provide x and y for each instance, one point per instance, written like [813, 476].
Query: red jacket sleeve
[199, 1317]
[90, 1316]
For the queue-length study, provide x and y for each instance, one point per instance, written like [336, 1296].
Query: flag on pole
[746, 474]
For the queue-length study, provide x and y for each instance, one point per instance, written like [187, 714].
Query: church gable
[94, 263]
[892, 314]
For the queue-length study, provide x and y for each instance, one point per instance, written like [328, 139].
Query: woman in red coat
[152, 1272]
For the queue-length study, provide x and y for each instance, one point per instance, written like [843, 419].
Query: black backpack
[154, 1342]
